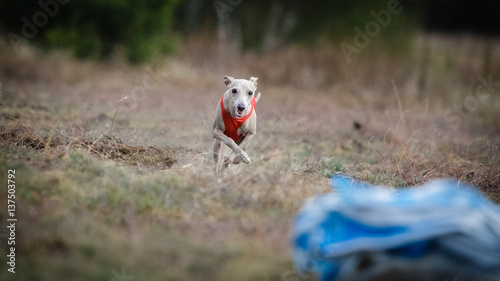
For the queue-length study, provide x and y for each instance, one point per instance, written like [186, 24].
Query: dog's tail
[257, 97]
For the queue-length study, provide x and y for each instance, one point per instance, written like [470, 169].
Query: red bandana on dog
[231, 124]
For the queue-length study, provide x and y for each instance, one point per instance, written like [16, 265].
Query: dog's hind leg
[217, 153]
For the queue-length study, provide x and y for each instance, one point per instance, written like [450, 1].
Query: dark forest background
[142, 29]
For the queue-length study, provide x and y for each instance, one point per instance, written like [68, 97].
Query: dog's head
[240, 95]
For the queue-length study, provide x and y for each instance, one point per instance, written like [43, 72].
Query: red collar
[231, 124]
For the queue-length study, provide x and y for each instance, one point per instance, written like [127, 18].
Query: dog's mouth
[238, 113]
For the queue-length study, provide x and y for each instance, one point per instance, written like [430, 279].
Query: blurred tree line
[93, 28]
[144, 28]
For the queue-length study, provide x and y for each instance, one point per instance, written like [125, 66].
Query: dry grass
[111, 179]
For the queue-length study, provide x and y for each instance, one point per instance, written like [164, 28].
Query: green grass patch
[331, 166]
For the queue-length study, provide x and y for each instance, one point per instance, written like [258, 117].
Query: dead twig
[113, 122]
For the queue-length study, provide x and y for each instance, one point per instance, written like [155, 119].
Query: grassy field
[114, 176]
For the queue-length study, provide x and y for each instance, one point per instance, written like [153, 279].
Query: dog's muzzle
[239, 110]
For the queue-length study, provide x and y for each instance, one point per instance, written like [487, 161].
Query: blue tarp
[359, 231]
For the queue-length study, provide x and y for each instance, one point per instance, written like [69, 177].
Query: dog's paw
[244, 157]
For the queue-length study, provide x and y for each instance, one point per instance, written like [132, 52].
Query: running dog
[235, 120]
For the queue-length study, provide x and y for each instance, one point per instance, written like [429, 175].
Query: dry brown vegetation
[104, 147]
[114, 173]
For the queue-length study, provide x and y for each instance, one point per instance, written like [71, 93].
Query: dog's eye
[234, 91]
[250, 93]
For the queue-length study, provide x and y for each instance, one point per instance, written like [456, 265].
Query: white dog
[235, 120]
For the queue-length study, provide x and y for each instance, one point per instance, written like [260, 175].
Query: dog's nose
[241, 107]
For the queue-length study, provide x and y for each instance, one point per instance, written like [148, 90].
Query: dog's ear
[228, 80]
[254, 80]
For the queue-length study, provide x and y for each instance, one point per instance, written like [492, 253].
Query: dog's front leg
[229, 142]
[243, 143]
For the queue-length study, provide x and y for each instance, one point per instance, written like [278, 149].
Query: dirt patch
[21, 136]
[104, 147]
[162, 157]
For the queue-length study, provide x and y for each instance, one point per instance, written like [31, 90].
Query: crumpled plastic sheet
[441, 230]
